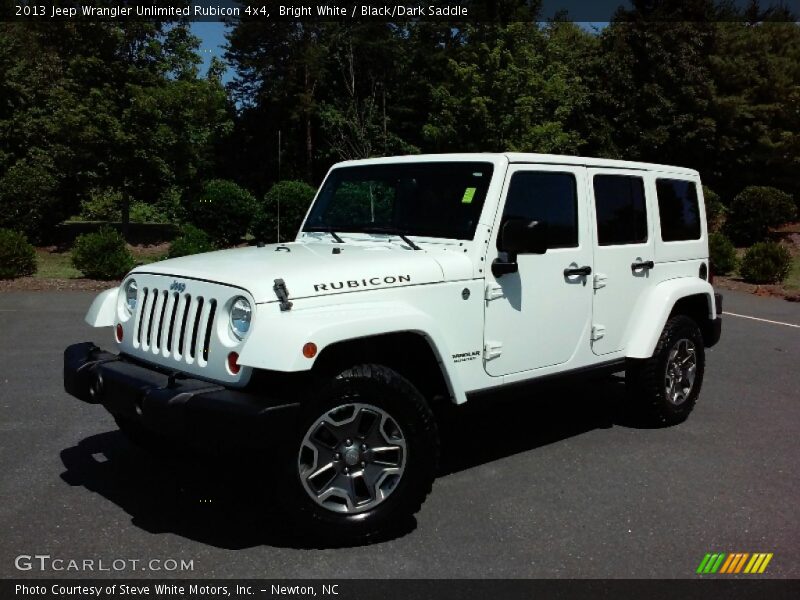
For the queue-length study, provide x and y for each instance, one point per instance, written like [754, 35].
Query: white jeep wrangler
[414, 280]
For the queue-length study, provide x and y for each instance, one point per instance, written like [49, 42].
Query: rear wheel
[363, 457]
[665, 387]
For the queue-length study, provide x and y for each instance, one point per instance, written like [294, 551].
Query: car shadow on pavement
[503, 425]
[222, 501]
[213, 500]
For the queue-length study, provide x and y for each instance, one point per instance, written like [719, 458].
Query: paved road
[554, 487]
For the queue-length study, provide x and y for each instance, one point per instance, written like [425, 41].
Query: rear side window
[678, 210]
[621, 211]
[546, 196]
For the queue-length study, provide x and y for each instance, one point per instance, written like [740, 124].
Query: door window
[621, 210]
[678, 210]
[549, 197]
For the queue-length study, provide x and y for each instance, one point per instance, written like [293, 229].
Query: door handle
[647, 264]
[571, 271]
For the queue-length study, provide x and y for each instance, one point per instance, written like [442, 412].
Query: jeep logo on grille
[177, 286]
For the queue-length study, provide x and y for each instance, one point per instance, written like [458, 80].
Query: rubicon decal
[362, 283]
[734, 562]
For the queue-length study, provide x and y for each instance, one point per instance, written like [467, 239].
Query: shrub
[766, 262]
[141, 212]
[103, 204]
[715, 210]
[223, 210]
[17, 257]
[190, 241]
[722, 253]
[170, 206]
[28, 197]
[755, 210]
[294, 198]
[102, 255]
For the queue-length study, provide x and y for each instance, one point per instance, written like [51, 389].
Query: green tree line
[91, 110]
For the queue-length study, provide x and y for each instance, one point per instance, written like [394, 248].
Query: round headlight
[131, 292]
[240, 317]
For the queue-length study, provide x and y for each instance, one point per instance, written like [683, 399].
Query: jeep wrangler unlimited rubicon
[413, 280]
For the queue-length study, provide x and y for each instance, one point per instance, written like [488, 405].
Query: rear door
[623, 251]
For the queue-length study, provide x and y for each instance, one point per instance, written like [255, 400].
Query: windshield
[436, 199]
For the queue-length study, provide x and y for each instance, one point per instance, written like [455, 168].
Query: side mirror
[519, 236]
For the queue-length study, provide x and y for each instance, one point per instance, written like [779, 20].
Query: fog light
[119, 333]
[310, 350]
[233, 365]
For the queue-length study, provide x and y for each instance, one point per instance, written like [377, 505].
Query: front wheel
[363, 457]
[665, 386]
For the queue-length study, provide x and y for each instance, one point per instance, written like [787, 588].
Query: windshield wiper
[391, 231]
[325, 230]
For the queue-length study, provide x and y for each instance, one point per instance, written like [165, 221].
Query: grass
[58, 265]
[793, 279]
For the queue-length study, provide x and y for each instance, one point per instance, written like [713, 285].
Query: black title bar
[398, 11]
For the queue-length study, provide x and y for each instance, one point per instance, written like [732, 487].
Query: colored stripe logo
[735, 562]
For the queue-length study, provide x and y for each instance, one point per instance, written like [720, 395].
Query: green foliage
[146, 213]
[716, 212]
[111, 105]
[166, 209]
[766, 262]
[17, 256]
[103, 204]
[722, 253]
[224, 211]
[170, 206]
[102, 255]
[28, 196]
[511, 87]
[190, 241]
[122, 105]
[294, 198]
[755, 211]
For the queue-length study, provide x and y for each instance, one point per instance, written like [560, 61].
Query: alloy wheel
[352, 458]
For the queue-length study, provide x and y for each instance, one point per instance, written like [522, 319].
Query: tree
[503, 92]
[116, 105]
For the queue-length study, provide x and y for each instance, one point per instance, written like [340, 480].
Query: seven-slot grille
[173, 324]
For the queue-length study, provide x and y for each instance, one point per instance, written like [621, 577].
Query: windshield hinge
[283, 294]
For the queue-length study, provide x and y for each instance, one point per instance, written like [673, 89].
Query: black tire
[646, 380]
[385, 389]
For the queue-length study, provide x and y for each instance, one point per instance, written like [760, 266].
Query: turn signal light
[233, 365]
[118, 333]
[310, 350]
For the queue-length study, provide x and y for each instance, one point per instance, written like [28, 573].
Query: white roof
[520, 157]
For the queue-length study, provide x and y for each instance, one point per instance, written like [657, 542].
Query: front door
[623, 255]
[538, 316]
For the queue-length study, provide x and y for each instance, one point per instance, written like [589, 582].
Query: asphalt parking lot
[557, 486]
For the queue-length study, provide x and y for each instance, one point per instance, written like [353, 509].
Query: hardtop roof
[527, 158]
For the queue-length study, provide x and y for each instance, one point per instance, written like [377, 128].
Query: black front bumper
[202, 413]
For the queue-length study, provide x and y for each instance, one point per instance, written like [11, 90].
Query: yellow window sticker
[469, 194]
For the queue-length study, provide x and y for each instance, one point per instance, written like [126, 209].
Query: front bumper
[199, 412]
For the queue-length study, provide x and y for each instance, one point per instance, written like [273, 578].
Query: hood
[313, 269]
